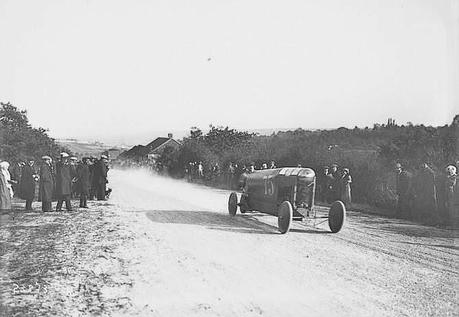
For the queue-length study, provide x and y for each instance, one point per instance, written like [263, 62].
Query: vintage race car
[287, 193]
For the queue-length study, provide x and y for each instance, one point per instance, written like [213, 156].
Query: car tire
[285, 217]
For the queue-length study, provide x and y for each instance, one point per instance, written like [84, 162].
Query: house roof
[158, 142]
[136, 151]
[141, 150]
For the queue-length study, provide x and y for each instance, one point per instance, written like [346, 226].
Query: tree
[20, 140]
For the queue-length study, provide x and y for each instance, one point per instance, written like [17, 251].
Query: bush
[19, 141]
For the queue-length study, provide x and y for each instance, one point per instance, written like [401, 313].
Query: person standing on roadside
[322, 184]
[6, 191]
[346, 181]
[63, 182]
[455, 202]
[73, 167]
[100, 175]
[329, 182]
[200, 170]
[231, 173]
[335, 183]
[46, 187]
[426, 192]
[403, 185]
[29, 178]
[450, 188]
[92, 178]
[84, 182]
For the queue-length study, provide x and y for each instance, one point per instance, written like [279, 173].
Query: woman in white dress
[6, 190]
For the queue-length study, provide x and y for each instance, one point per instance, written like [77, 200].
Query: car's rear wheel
[232, 204]
[284, 217]
[336, 216]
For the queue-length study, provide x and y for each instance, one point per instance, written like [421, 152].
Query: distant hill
[129, 140]
[82, 148]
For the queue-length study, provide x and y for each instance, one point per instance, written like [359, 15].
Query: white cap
[104, 157]
[63, 154]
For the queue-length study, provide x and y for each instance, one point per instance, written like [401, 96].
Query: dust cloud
[143, 190]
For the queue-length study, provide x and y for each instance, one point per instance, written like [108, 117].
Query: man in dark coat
[84, 182]
[100, 175]
[46, 184]
[426, 192]
[29, 177]
[322, 185]
[74, 167]
[333, 184]
[403, 184]
[63, 182]
[329, 183]
[92, 177]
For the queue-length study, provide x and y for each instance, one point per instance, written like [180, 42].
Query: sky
[117, 70]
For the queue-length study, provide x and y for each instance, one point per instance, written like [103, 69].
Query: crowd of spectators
[421, 193]
[59, 180]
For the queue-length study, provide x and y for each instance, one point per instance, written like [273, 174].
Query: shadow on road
[244, 223]
[212, 220]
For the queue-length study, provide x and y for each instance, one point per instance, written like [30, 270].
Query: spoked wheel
[232, 204]
[336, 216]
[284, 217]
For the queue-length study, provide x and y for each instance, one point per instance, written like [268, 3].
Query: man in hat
[329, 183]
[403, 185]
[100, 175]
[426, 192]
[73, 167]
[322, 183]
[334, 183]
[46, 184]
[63, 182]
[446, 184]
[84, 182]
[92, 178]
[29, 177]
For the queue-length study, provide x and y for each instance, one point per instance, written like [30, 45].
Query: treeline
[369, 153]
[19, 140]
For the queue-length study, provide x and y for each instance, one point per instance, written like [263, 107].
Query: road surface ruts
[242, 265]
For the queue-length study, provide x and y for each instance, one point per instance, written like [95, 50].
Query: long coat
[346, 181]
[84, 179]
[425, 189]
[100, 173]
[5, 194]
[403, 184]
[63, 179]
[46, 183]
[27, 184]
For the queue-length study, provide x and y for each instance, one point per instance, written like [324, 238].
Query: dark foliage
[19, 140]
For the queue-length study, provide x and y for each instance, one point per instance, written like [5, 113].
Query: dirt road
[161, 247]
